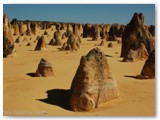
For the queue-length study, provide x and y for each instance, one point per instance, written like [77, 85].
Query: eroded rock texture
[8, 44]
[134, 35]
[93, 83]
[148, 71]
[44, 69]
[41, 44]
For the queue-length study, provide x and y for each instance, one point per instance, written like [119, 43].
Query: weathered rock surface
[72, 43]
[135, 34]
[139, 54]
[148, 71]
[93, 83]
[8, 44]
[41, 44]
[44, 69]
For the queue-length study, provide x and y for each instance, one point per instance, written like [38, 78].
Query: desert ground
[25, 95]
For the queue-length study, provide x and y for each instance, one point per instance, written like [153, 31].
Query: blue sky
[81, 13]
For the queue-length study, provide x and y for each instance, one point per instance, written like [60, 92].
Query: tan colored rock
[16, 28]
[21, 28]
[28, 31]
[33, 28]
[87, 31]
[28, 44]
[96, 33]
[41, 44]
[64, 35]
[148, 70]
[110, 45]
[103, 42]
[57, 37]
[8, 44]
[139, 54]
[46, 33]
[135, 34]
[72, 43]
[18, 40]
[52, 41]
[93, 83]
[44, 69]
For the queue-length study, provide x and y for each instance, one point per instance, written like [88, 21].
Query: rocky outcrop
[96, 33]
[93, 83]
[103, 33]
[134, 35]
[110, 44]
[44, 69]
[139, 54]
[21, 28]
[72, 43]
[33, 28]
[28, 31]
[28, 44]
[148, 70]
[41, 44]
[103, 42]
[8, 44]
[18, 40]
[87, 30]
[16, 28]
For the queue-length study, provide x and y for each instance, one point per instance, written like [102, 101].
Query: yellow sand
[22, 93]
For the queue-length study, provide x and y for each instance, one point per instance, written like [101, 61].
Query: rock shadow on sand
[31, 74]
[58, 97]
[130, 76]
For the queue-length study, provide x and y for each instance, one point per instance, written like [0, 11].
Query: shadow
[130, 76]
[108, 56]
[31, 74]
[139, 77]
[58, 97]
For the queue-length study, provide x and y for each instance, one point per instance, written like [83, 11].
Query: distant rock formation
[55, 41]
[110, 44]
[52, 41]
[76, 32]
[87, 30]
[28, 44]
[33, 28]
[44, 69]
[45, 32]
[64, 35]
[8, 44]
[148, 71]
[135, 34]
[41, 44]
[103, 42]
[96, 33]
[103, 33]
[16, 28]
[18, 40]
[57, 37]
[116, 30]
[28, 31]
[21, 28]
[46, 25]
[93, 83]
[72, 43]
